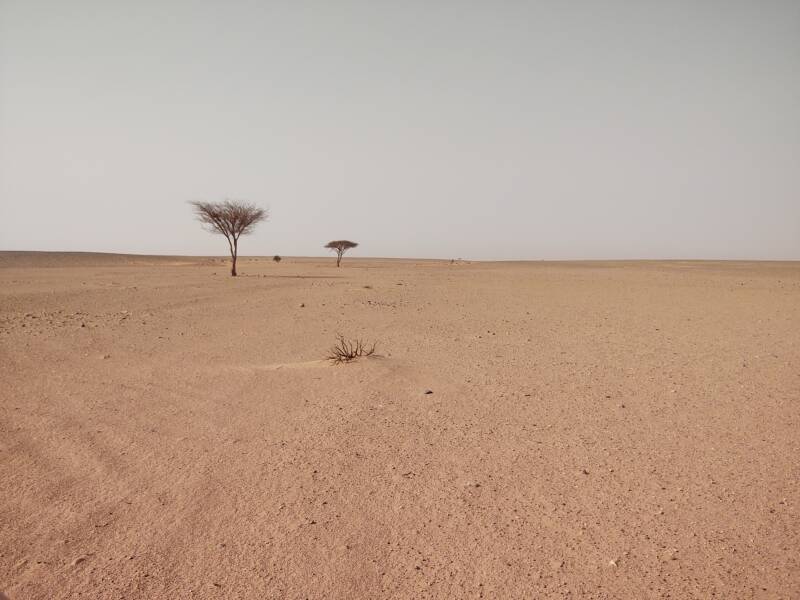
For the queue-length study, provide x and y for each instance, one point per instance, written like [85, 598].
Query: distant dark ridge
[26, 259]
[34, 259]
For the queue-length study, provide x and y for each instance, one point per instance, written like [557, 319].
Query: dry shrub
[345, 351]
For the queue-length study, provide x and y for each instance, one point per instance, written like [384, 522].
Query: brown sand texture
[593, 430]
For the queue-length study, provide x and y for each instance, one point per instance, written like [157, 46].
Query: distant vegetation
[230, 218]
[234, 218]
[340, 247]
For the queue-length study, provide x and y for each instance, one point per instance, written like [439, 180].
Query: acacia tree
[340, 247]
[230, 218]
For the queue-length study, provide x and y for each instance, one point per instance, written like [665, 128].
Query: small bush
[276, 258]
[345, 350]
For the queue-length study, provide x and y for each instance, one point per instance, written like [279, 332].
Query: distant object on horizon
[340, 247]
[231, 218]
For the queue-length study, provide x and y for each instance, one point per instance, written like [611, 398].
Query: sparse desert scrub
[344, 350]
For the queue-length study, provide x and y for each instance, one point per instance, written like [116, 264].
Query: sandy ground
[595, 430]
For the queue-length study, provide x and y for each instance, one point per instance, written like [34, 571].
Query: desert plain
[526, 429]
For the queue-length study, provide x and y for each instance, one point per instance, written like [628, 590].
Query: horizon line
[427, 258]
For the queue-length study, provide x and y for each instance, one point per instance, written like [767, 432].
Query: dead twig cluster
[345, 350]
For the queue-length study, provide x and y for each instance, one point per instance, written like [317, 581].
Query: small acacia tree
[230, 218]
[340, 247]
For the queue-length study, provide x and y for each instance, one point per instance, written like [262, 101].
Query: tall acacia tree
[340, 247]
[232, 219]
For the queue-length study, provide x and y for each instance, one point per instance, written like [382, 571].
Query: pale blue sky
[496, 130]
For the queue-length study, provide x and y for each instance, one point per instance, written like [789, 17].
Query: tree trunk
[338, 258]
[234, 252]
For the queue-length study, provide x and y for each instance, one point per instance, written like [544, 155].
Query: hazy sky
[495, 129]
